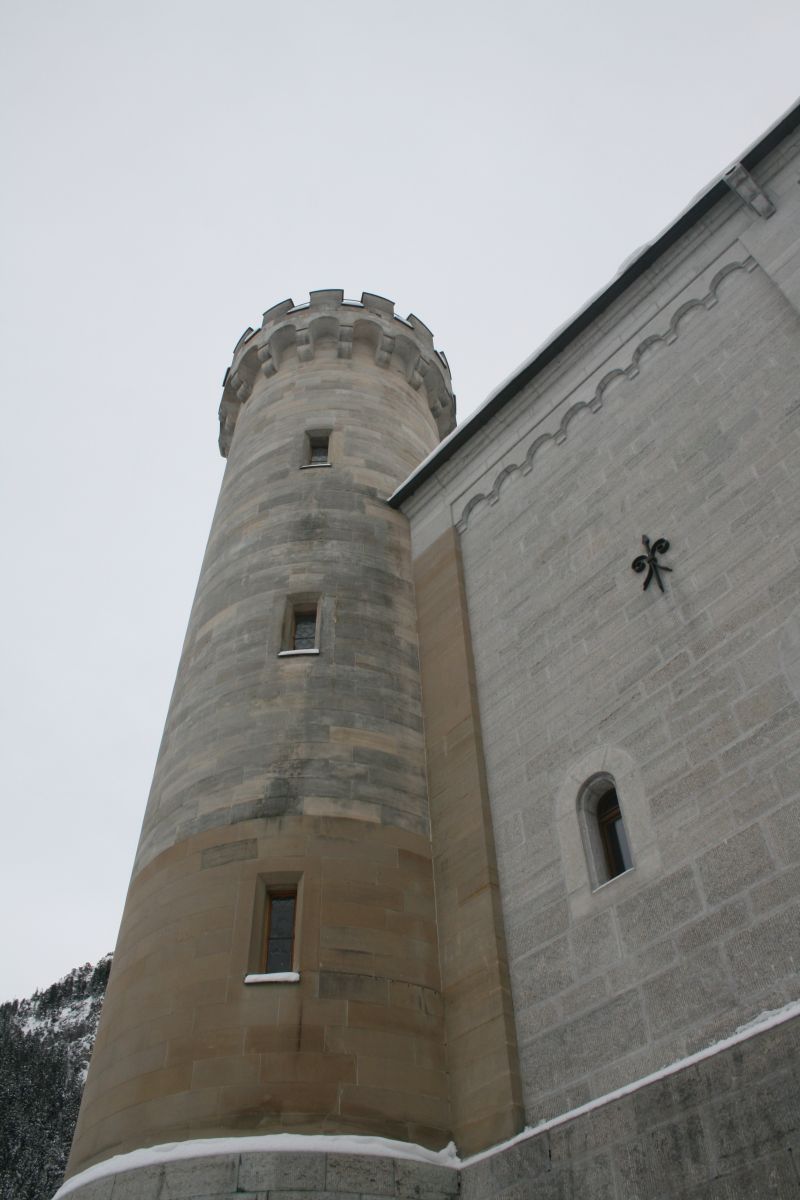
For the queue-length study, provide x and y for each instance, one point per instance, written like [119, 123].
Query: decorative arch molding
[594, 403]
[613, 763]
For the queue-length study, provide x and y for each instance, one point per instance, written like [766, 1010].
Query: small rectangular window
[301, 626]
[279, 932]
[273, 955]
[317, 451]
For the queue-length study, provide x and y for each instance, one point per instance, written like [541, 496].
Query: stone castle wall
[726, 1128]
[676, 415]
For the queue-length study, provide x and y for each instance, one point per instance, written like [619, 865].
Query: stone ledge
[314, 1174]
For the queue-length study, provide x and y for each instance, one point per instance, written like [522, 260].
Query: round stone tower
[277, 965]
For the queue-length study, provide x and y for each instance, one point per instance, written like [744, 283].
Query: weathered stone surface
[659, 909]
[101, 1189]
[142, 1184]
[210, 1176]
[281, 532]
[725, 1128]
[768, 951]
[353, 1173]
[216, 856]
[268, 1172]
[697, 987]
[734, 865]
[430, 1179]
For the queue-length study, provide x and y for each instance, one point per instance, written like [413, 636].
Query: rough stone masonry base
[724, 1128]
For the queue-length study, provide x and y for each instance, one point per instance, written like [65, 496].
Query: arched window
[605, 838]
[612, 831]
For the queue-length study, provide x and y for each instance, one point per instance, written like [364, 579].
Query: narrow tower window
[304, 633]
[301, 626]
[279, 932]
[274, 954]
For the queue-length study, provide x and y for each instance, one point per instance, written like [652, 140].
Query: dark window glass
[612, 831]
[305, 631]
[280, 933]
[318, 448]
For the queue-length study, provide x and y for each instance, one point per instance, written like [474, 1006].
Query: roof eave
[705, 201]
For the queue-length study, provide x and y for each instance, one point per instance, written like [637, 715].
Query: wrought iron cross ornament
[649, 562]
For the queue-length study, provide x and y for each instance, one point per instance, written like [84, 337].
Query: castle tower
[277, 965]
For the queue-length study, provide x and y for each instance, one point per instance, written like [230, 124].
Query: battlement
[329, 324]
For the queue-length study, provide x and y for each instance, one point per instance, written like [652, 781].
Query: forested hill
[45, 1044]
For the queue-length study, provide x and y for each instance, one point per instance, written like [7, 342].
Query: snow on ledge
[274, 977]
[387, 1148]
[759, 1024]
[321, 1143]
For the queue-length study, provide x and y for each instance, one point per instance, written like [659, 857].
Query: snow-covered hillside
[45, 1044]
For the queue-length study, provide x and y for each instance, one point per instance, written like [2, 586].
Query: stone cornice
[594, 402]
[297, 331]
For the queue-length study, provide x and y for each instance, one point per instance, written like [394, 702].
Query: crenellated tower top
[329, 324]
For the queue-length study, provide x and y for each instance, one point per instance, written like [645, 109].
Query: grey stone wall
[727, 1128]
[677, 415]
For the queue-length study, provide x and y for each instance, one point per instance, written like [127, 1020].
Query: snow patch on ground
[386, 1147]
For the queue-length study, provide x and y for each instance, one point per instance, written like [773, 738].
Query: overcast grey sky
[172, 169]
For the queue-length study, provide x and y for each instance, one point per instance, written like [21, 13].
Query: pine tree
[45, 1044]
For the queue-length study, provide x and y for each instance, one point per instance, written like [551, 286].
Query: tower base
[284, 1174]
[723, 1123]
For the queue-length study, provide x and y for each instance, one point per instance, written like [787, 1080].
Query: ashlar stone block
[768, 951]
[415, 1178]
[659, 909]
[215, 1175]
[99, 1189]
[696, 987]
[734, 865]
[281, 1170]
[142, 1184]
